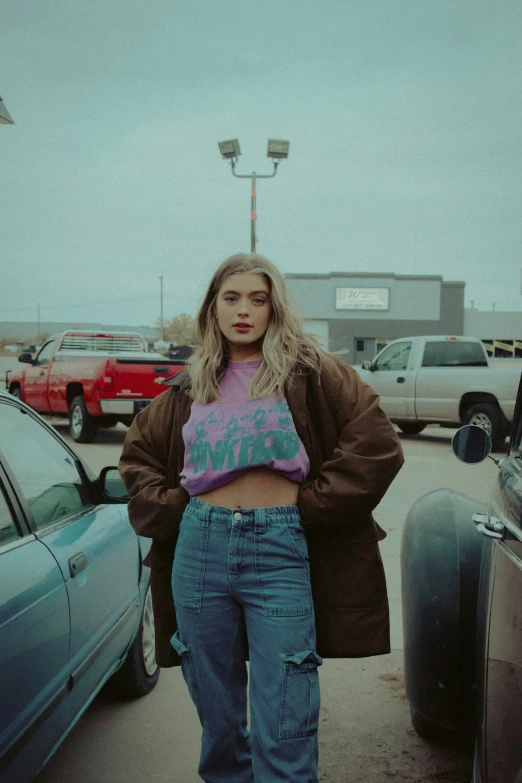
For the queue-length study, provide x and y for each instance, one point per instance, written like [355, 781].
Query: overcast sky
[405, 126]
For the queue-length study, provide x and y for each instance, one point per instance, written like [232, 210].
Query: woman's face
[243, 310]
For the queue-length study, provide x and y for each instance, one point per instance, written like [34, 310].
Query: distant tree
[179, 329]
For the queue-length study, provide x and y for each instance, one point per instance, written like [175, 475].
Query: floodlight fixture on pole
[5, 117]
[277, 150]
[229, 149]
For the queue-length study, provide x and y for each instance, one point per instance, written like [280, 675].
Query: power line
[70, 306]
[44, 308]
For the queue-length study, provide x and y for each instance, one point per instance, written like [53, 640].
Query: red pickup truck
[95, 378]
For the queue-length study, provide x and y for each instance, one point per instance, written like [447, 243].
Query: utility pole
[38, 312]
[253, 216]
[415, 234]
[162, 331]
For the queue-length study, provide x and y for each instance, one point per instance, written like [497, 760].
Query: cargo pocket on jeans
[189, 675]
[300, 699]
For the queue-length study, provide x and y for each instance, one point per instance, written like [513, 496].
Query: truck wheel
[17, 392]
[411, 427]
[139, 674]
[82, 426]
[488, 417]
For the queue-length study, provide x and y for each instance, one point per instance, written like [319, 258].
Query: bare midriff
[256, 488]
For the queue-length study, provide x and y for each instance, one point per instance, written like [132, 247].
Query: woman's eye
[230, 298]
[259, 301]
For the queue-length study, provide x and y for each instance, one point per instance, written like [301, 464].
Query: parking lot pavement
[365, 733]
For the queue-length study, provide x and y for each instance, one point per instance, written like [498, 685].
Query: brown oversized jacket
[354, 455]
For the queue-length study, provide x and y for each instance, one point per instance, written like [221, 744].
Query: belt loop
[205, 516]
[260, 519]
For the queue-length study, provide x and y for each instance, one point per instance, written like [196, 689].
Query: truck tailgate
[135, 378]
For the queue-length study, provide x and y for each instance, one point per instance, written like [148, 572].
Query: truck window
[453, 353]
[42, 360]
[395, 357]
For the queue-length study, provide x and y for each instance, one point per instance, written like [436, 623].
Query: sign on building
[362, 298]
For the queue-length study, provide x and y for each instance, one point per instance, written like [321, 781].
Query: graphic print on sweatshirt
[222, 440]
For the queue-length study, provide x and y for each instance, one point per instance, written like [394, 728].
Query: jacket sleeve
[368, 455]
[155, 507]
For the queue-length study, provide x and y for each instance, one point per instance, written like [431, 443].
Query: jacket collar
[177, 380]
[295, 391]
[295, 394]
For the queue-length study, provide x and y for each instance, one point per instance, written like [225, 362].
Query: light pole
[5, 117]
[277, 150]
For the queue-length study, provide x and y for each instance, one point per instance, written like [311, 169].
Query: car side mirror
[26, 358]
[471, 444]
[367, 365]
[111, 486]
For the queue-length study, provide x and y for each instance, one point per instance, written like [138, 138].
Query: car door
[34, 642]
[503, 685]
[393, 379]
[36, 378]
[94, 546]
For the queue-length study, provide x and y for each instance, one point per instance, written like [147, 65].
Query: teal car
[75, 605]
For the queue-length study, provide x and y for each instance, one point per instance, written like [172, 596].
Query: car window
[395, 357]
[42, 360]
[8, 531]
[453, 353]
[44, 469]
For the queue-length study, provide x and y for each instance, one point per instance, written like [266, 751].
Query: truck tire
[82, 426]
[139, 674]
[411, 427]
[17, 392]
[488, 416]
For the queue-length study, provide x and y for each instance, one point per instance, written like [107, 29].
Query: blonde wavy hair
[285, 346]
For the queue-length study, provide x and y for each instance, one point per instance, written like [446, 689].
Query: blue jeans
[244, 574]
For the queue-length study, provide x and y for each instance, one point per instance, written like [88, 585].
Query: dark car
[462, 607]
[75, 605]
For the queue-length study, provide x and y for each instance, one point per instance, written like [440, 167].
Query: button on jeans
[244, 574]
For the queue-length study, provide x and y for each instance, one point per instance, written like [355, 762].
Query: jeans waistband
[258, 517]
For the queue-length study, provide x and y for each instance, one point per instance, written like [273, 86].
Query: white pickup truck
[444, 380]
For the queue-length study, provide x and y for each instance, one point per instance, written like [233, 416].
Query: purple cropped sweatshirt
[223, 439]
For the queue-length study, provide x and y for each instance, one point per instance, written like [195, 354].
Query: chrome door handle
[77, 563]
[491, 527]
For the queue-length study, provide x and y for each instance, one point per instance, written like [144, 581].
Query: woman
[261, 467]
